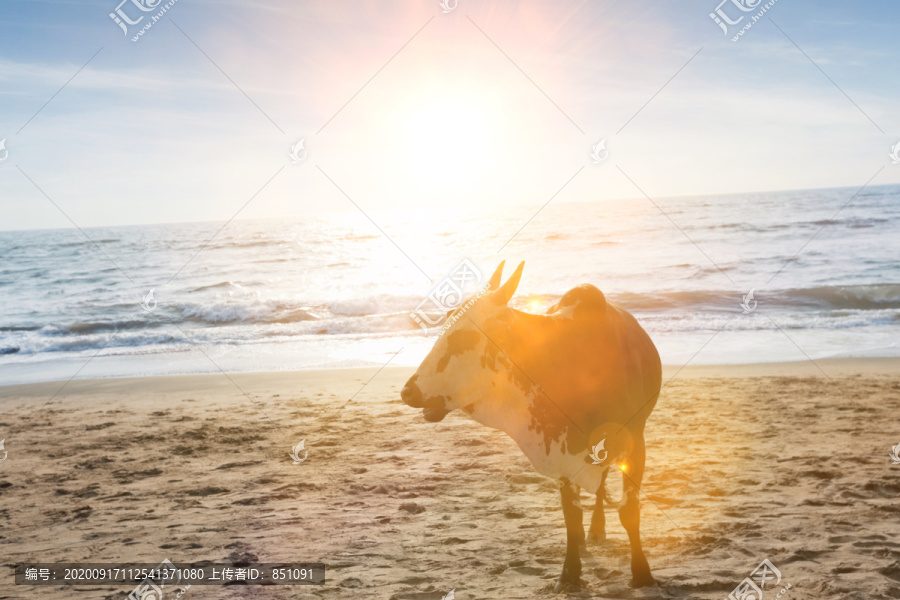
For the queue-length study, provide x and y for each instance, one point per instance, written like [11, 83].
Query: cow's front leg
[571, 505]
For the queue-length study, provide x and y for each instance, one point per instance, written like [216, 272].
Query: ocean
[337, 290]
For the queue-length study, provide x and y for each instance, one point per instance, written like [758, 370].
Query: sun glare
[534, 305]
[448, 137]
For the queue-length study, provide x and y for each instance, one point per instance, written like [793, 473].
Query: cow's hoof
[596, 537]
[640, 572]
[639, 580]
[567, 584]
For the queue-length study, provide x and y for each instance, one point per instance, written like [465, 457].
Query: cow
[573, 388]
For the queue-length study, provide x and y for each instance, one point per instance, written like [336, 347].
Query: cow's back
[594, 361]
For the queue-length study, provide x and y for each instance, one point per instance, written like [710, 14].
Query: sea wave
[323, 284]
[221, 313]
[846, 297]
[823, 307]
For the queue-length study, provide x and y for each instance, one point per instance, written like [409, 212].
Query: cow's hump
[584, 300]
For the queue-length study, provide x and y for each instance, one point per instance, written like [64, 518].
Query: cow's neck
[507, 405]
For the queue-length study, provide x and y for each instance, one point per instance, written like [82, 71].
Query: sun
[448, 137]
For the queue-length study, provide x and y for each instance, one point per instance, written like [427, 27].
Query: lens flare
[533, 305]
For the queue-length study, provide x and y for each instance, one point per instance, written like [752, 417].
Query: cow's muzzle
[433, 407]
[411, 394]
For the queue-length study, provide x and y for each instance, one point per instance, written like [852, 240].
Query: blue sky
[493, 103]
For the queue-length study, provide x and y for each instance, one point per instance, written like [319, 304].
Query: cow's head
[454, 374]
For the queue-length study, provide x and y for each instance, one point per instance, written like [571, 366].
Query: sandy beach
[745, 463]
[230, 237]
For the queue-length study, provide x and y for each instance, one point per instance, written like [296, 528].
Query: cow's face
[454, 375]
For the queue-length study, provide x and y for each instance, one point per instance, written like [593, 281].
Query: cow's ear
[494, 282]
[503, 295]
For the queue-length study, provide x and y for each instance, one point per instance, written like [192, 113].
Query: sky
[401, 106]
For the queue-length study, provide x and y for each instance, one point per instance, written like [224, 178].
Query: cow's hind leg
[597, 531]
[630, 513]
[571, 505]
